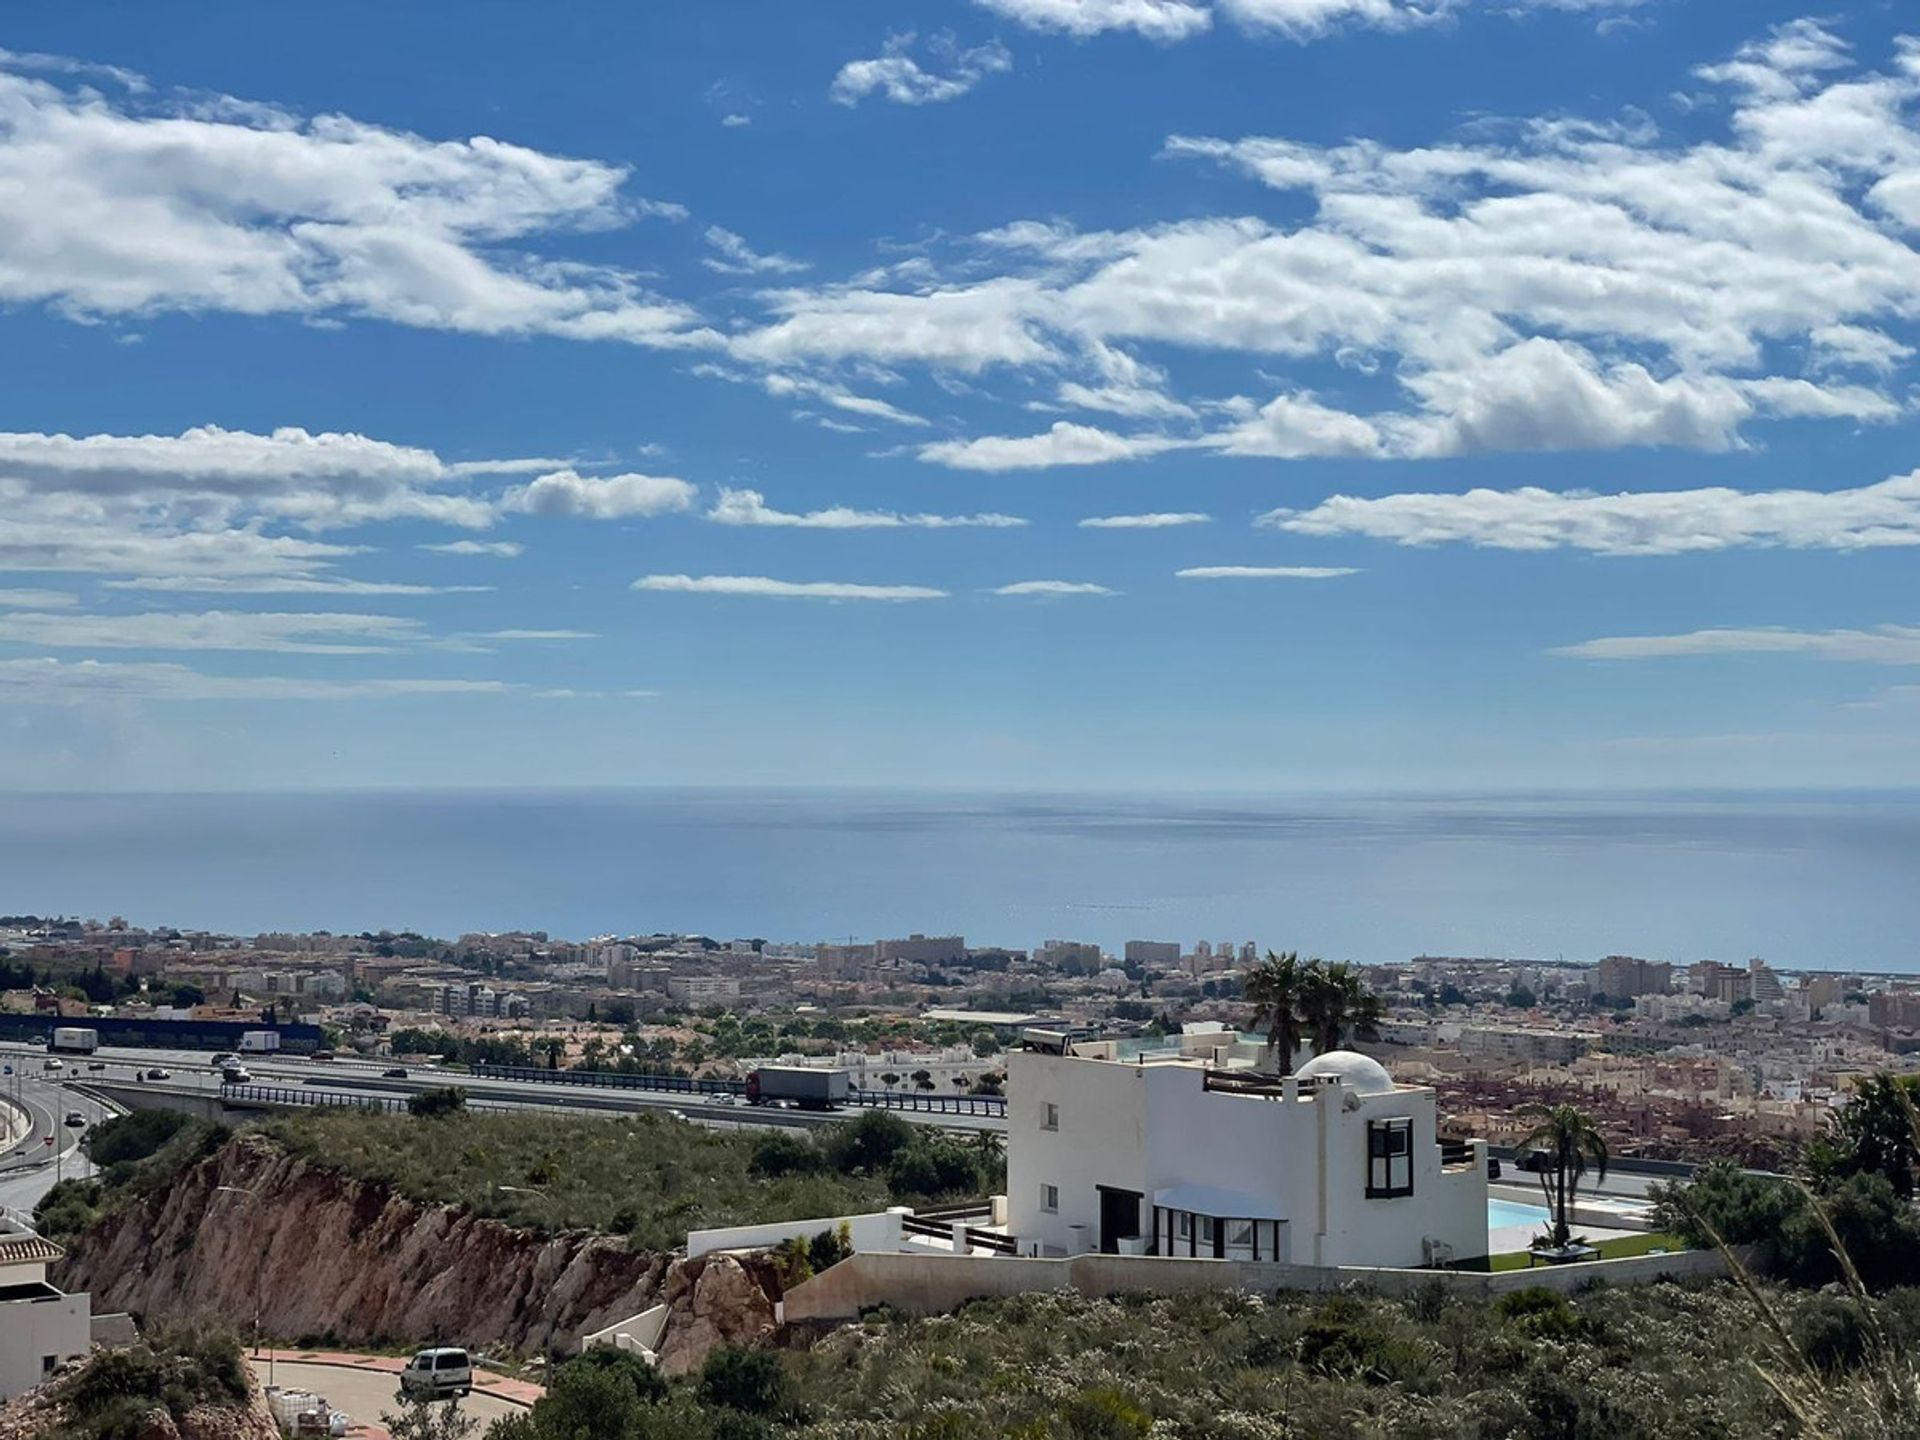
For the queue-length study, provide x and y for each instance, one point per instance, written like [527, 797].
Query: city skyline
[1026, 394]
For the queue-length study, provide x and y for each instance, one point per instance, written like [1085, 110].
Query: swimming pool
[1502, 1213]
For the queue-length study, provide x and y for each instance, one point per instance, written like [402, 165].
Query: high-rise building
[1152, 952]
[1622, 977]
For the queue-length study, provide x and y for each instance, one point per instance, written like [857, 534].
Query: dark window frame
[1389, 1158]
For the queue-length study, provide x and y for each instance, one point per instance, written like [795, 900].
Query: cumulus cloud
[1668, 522]
[603, 497]
[1161, 520]
[48, 681]
[1053, 587]
[1064, 444]
[1882, 645]
[308, 634]
[128, 203]
[1155, 19]
[1559, 283]
[749, 507]
[760, 585]
[1264, 572]
[494, 549]
[735, 257]
[898, 76]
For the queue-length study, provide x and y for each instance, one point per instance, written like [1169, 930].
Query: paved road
[29, 1172]
[365, 1395]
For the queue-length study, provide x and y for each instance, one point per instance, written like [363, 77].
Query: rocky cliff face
[315, 1253]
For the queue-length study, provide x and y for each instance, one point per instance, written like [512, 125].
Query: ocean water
[1818, 881]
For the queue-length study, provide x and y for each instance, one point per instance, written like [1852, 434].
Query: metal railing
[337, 1100]
[1455, 1152]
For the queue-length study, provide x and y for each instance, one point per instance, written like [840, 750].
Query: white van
[437, 1374]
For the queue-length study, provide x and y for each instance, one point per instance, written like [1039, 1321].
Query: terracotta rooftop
[20, 1249]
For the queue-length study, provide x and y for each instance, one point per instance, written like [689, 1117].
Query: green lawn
[1622, 1248]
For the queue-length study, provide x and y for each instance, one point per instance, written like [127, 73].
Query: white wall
[1145, 1127]
[33, 1329]
[875, 1232]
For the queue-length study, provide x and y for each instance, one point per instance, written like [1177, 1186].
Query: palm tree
[989, 1144]
[1277, 989]
[1568, 1136]
[1336, 1006]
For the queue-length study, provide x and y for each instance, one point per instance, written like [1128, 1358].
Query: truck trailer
[802, 1086]
[74, 1040]
[259, 1042]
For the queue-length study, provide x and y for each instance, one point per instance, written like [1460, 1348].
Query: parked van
[437, 1374]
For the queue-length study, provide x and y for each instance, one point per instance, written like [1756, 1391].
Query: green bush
[753, 1382]
[132, 1137]
[784, 1152]
[432, 1104]
[176, 1369]
[868, 1144]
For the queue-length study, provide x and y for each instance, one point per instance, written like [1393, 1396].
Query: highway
[192, 1070]
[30, 1167]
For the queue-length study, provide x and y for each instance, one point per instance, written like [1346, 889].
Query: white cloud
[1559, 283]
[1264, 572]
[1668, 522]
[1053, 587]
[736, 257]
[1064, 444]
[896, 75]
[760, 585]
[749, 507]
[536, 635]
[285, 585]
[786, 386]
[311, 634]
[22, 599]
[495, 549]
[1159, 521]
[1882, 645]
[735, 121]
[607, 497]
[1171, 20]
[48, 681]
[1155, 19]
[128, 204]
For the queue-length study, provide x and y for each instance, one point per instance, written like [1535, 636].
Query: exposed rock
[316, 1253]
[37, 1415]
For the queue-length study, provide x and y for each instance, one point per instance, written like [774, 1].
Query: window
[1240, 1232]
[1050, 1197]
[47, 1364]
[1389, 1158]
[1049, 1116]
[1183, 1224]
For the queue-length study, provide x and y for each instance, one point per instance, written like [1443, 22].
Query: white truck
[75, 1040]
[259, 1042]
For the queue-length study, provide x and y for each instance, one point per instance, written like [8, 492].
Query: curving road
[365, 1395]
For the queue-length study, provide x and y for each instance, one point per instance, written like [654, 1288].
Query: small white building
[41, 1327]
[1163, 1154]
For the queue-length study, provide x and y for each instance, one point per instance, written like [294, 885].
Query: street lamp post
[259, 1276]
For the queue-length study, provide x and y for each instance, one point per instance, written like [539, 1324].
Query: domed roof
[1359, 1073]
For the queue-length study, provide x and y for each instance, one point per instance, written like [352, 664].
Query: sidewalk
[485, 1382]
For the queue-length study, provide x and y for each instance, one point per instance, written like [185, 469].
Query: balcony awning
[1220, 1203]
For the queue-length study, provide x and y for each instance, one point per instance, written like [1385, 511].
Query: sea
[1815, 881]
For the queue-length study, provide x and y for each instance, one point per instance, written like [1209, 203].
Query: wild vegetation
[135, 1155]
[113, 1395]
[650, 1177]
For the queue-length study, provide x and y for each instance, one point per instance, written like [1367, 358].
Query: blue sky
[1481, 393]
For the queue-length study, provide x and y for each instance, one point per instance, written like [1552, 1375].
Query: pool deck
[1510, 1239]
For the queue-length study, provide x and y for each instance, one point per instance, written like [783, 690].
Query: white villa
[1163, 1153]
[41, 1327]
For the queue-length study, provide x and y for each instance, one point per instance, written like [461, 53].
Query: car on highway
[75, 1120]
[158, 1074]
[432, 1374]
[224, 1058]
[96, 1065]
[235, 1074]
[397, 1073]
[53, 1065]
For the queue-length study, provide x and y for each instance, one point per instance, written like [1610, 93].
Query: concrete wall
[879, 1231]
[939, 1284]
[32, 1330]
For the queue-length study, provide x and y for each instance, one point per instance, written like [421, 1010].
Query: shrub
[869, 1143]
[1831, 1332]
[930, 1168]
[1104, 1414]
[783, 1152]
[132, 1137]
[736, 1377]
[430, 1104]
